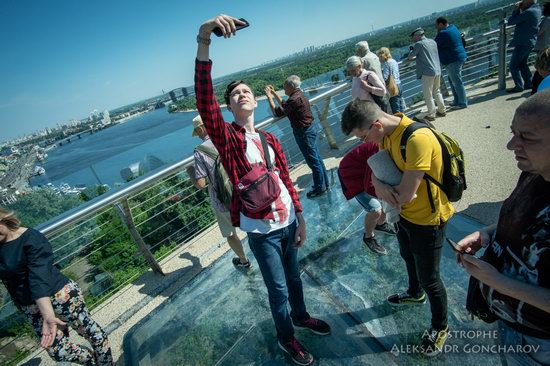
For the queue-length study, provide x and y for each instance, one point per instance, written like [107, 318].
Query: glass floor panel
[222, 316]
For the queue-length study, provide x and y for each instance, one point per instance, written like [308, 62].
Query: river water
[152, 138]
[99, 157]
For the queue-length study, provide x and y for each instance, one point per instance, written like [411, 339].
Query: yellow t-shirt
[423, 152]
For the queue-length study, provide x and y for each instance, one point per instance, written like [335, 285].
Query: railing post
[126, 216]
[502, 52]
[326, 127]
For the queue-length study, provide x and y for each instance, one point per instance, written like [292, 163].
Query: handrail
[68, 218]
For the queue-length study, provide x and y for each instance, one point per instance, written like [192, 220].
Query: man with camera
[526, 18]
[298, 111]
[514, 271]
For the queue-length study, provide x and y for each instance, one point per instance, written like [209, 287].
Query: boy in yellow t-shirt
[421, 226]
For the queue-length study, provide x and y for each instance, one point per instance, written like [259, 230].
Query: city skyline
[65, 59]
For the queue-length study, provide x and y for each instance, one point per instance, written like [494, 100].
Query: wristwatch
[205, 41]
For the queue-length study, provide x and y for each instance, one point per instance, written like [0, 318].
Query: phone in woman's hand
[218, 31]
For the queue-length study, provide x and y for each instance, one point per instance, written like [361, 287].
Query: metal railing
[108, 242]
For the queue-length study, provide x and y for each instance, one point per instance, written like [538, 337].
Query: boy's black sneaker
[433, 341]
[297, 352]
[317, 326]
[386, 228]
[373, 245]
[406, 299]
[237, 263]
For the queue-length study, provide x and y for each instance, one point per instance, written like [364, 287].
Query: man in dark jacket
[452, 55]
[526, 18]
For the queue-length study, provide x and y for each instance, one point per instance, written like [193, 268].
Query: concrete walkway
[482, 130]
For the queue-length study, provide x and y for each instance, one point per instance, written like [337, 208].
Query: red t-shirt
[354, 172]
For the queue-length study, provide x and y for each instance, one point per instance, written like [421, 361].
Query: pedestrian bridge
[195, 308]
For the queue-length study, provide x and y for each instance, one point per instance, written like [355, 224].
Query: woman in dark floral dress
[50, 300]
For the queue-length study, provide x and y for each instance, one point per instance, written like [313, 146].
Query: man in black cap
[428, 71]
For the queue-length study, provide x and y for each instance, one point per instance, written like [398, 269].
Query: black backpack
[454, 166]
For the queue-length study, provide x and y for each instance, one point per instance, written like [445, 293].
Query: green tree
[42, 205]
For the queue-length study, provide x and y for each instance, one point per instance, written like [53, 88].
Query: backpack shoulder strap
[408, 133]
[403, 147]
[210, 152]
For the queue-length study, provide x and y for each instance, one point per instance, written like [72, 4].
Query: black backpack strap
[265, 147]
[408, 133]
[403, 148]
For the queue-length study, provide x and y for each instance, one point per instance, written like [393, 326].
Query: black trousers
[421, 248]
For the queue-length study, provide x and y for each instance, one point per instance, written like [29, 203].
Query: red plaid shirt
[230, 141]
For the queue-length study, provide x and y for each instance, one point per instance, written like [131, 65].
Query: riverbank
[17, 177]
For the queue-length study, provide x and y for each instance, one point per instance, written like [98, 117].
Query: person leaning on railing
[391, 68]
[298, 110]
[273, 234]
[49, 299]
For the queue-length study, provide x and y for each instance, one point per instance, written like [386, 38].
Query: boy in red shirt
[356, 180]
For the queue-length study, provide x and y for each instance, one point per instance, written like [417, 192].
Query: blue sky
[62, 59]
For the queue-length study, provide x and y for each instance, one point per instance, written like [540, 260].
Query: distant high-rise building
[173, 96]
[184, 92]
[106, 117]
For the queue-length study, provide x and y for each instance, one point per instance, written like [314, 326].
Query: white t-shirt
[282, 208]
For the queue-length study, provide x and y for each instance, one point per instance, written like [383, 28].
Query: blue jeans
[510, 337]
[454, 74]
[397, 103]
[278, 262]
[518, 67]
[306, 139]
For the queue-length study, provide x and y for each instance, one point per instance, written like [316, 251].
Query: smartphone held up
[218, 32]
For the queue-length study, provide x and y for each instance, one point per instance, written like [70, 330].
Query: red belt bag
[259, 188]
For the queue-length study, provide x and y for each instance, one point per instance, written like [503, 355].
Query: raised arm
[272, 95]
[225, 22]
[207, 104]
[518, 16]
